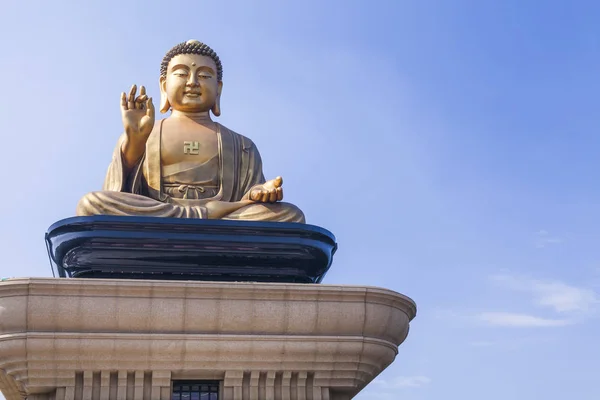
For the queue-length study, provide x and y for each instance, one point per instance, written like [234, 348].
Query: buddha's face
[191, 83]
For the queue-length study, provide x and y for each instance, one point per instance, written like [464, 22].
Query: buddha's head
[191, 79]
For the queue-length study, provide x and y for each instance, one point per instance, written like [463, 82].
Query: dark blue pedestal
[189, 249]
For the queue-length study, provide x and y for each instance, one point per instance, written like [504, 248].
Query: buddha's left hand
[269, 192]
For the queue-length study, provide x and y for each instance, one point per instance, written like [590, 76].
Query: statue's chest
[188, 144]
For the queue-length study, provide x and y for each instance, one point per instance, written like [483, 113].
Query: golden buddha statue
[186, 165]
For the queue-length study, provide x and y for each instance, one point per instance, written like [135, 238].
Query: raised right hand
[138, 115]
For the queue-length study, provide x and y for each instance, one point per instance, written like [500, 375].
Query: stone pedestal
[105, 339]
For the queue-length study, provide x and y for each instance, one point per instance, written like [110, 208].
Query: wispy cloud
[512, 343]
[561, 297]
[570, 304]
[372, 394]
[519, 320]
[403, 382]
[544, 239]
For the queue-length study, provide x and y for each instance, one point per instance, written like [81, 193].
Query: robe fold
[141, 192]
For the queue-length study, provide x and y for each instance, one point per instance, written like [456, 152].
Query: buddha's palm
[138, 115]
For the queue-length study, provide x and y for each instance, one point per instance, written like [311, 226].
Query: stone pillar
[233, 385]
[161, 385]
[270, 385]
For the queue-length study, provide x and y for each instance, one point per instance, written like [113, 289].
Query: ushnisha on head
[191, 77]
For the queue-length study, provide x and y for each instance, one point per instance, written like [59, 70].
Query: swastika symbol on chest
[191, 148]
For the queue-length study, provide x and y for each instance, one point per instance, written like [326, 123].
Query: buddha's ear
[216, 109]
[164, 101]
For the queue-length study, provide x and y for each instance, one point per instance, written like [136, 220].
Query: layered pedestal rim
[117, 247]
[51, 329]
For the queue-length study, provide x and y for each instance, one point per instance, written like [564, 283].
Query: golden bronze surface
[218, 174]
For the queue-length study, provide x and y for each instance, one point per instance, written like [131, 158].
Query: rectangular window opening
[195, 390]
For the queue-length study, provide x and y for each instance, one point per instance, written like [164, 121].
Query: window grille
[195, 390]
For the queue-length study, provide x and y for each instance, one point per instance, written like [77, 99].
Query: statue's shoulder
[157, 124]
[245, 141]
[155, 128]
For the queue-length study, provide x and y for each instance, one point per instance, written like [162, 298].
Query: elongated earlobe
[164, 103]
[216, 109]
[164, 100]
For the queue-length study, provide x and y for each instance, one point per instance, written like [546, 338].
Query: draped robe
[141, 191]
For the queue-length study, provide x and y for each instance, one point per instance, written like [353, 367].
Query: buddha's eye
[204, 76]
[180, 73]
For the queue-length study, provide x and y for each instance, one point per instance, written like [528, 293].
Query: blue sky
[451, 146]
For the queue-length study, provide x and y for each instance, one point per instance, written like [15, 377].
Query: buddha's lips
[192, 94]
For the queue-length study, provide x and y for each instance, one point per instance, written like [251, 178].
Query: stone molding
[257, 338]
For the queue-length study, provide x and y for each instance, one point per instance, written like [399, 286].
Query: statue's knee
[85, 205]
[82, 206]
[293, 213]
